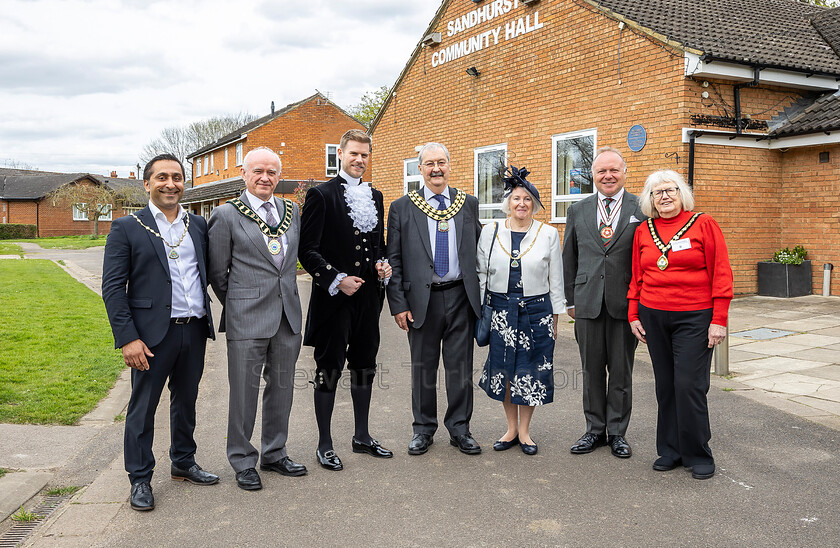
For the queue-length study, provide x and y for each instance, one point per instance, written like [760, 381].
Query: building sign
[492, 11]
[636, 138]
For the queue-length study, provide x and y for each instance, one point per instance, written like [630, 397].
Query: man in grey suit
[596, 268]
[433, 294]
[253, 265]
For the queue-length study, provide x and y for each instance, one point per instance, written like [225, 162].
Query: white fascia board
[696, 67]
[754, 140]
[241, 138]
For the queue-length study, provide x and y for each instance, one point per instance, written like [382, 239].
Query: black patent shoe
[588, 442]
[619, 447]
[373, 448]
[194, 474]
[249, 480]
[142, 498]
[285, 467]
[465, 444]
[329, 460]
[528, 449]
[420, 444]
[505, 445]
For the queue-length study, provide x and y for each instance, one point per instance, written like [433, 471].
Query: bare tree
[182, 140]
[95, 201]
[17, 164]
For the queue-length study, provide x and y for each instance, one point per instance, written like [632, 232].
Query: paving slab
[18, 487]
[830, 331]
[81, 520]
[825, 355]
[817, 322]
[772, 348]
[831, 372]
[832, 407]
[792, 383]
[810, 339]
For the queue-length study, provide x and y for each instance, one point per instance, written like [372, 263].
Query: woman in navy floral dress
[525, 280]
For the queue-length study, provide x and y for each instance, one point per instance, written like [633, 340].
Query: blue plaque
[636, 138]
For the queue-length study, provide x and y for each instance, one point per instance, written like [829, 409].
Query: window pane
[560, 208]
[412, 185]
[574, 166]
[494, 213]
[491, 165]
[412, 168]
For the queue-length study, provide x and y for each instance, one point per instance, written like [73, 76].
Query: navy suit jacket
[136, 284]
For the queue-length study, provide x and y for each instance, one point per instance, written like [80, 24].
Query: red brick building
[24, 200]
[305, 135]
[739, 96]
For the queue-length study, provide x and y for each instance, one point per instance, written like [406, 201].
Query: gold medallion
[662, 262]
[274, 246]
[514, 263]
[173, 254]
[607, 232]
[443, 226]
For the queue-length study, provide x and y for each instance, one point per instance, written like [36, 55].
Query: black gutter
[736, 89]
[692, 136]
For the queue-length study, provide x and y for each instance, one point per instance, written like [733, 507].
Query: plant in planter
[787, 275]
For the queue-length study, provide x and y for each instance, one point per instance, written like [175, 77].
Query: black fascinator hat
[517, 178]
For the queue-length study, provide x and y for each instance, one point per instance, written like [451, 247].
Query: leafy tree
[369, 106]
[823, 3]
[182, 140]
[95, 200]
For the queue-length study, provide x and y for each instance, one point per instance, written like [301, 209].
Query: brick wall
[305, 130]
[565, 77]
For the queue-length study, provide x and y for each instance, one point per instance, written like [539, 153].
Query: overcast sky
[84, 84]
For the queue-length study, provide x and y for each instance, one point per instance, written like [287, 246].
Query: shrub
[786, 256]
[16, 232]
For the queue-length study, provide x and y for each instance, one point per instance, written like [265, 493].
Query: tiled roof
[769, 33]
[808, 116]
[27, 184]
[231, 188]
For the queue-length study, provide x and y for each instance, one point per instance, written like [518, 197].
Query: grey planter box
[784, 280]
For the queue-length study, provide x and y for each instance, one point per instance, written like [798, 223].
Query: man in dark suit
[342, 242]
[253, 266]
[596, 268]
[433, 294]
[154, 284]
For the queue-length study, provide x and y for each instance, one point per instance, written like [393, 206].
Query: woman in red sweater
[679, 300]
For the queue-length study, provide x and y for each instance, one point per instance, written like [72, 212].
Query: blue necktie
[441, 244]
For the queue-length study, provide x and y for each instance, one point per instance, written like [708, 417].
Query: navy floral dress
[521, 342]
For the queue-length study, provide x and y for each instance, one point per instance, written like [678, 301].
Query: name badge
[681, 245]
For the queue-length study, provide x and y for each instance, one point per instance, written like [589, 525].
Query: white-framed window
[226, 158]
[239, 154]
[206, 164]
[212, 164]
[571, 170]
[490, 163]
[332, 160]
[198, 168]
[128, 210]
[80, 214]
[206, 209]
[412, 178]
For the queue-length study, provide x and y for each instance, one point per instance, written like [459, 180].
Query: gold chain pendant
[662, 262]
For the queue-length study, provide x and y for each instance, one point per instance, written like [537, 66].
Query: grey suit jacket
[411, 260]
[254, 295]
[592, 273]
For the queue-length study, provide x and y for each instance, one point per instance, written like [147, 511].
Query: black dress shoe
[372, 448]
[248, 479]
[285, 466]
[141, 496]
[466, 444]
[528, 449]
[194, 474]
[620, 447]
[702, 471]
[505, 445]
[588, 443]
[420, 444]
[663, 464]
[329, 460]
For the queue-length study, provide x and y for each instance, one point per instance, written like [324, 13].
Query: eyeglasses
[670, 192]
[431, 165]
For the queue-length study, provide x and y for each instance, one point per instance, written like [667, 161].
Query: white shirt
[616, 197]
[256, 205]
[187, 293]
[454, 266]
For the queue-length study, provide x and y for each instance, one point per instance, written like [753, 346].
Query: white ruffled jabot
[362, 209]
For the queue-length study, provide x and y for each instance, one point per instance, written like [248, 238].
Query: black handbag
[482, 326]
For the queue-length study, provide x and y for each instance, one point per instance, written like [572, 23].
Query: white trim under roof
[754, 140]
[241, 138]
[696, 67]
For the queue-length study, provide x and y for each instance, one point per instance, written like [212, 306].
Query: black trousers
[450, 327]
[678, 343]
[179, 358]
[351, 335]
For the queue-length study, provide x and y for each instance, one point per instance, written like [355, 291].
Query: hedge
[16, 232]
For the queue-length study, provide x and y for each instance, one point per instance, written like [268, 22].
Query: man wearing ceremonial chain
[343, 247]
[596, 271]
[253, 265]
[434, 296]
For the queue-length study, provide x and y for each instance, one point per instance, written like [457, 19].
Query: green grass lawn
[57, 358]
[68, 242]
[7, 248]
